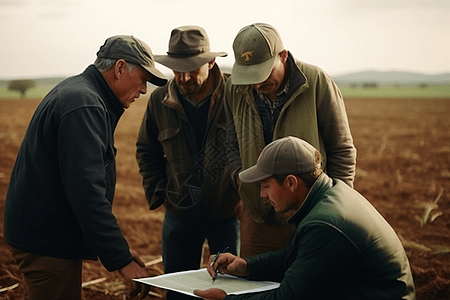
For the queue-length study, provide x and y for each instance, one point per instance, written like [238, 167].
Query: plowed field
[403, 168]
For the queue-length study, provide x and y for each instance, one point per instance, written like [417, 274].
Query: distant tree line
[374, 85]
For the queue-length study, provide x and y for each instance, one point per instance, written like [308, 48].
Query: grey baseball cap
[188, 49]
[289, 155]
[255, 47]
[134, 51]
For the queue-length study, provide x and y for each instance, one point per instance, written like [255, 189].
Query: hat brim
[157, 78]
[253, 174]
[187, 63]
[252, 74]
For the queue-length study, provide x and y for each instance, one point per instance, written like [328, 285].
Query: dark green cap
[255, 47]
[134, 51]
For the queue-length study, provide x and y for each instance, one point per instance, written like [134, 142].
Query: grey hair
[105, 64]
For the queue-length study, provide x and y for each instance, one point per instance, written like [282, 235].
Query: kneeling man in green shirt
[342, 247]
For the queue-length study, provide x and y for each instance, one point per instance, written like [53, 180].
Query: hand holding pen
[227, 263]
[214, 261]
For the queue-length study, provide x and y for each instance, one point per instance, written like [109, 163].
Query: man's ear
[292, 182]
[284, 55]
[119, 68]
[211, 63]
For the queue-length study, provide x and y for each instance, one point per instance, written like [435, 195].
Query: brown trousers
[259, 238]
[49, 278]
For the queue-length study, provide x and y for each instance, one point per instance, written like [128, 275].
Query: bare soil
[403, 168]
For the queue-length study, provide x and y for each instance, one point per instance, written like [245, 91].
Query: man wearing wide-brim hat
[181, 154]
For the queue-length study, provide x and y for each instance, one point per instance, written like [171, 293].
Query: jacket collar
[322, 184]
[298, 80]
[113, 105]
[296, 76]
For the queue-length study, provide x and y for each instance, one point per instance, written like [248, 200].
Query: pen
[214, 260]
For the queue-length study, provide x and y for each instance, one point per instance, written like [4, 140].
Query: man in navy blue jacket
[58, 208]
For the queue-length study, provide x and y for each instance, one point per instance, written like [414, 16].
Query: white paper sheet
[188, 281]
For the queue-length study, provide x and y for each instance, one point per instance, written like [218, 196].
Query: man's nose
[263, 193]
[143, 88]
[256, 86]
[185, 76]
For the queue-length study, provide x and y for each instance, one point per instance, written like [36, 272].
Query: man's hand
[228, 263]
[211, 294]
[135, 269]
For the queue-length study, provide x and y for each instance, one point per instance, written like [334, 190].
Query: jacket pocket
[173, 144]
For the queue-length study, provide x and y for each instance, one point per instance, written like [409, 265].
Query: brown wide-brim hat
[188, 49]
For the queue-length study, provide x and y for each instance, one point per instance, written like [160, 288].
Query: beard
[189, 88]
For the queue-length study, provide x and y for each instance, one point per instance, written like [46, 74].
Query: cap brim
[253, 174]
[251, 74]
[158, 78]
[187, 64]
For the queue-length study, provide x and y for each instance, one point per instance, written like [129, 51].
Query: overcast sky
[42, 38]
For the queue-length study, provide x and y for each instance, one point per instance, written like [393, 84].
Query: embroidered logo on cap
[247, 54]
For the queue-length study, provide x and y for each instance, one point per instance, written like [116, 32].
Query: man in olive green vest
[271, 95]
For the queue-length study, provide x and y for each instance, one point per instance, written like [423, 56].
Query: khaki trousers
[49, 278]
[259, 238]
